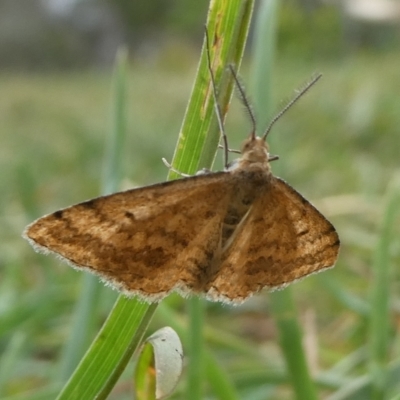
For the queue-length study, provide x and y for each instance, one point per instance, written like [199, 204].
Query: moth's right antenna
[216, 105]
[291, 102]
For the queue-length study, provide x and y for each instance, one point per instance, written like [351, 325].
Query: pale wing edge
[214, 296]
[179, 287]
[304, 200]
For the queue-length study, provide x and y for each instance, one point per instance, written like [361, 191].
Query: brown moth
[223, 235]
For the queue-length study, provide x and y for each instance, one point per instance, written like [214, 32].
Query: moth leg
[229, 150]
[203, 171]
[273, 157]
[170, 167]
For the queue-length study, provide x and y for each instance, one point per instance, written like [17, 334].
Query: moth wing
[147, 241]
[282, 239]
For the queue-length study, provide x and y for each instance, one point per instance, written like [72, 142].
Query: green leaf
[380, 293]
[159, 365]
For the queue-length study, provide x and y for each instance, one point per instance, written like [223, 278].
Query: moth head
[255, 149]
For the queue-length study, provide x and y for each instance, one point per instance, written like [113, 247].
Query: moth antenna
[300, 94]
[216, 105]
[245, 101]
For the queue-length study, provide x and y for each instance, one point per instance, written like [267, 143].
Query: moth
[222, 235]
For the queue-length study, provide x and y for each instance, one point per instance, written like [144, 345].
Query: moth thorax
[250, 184]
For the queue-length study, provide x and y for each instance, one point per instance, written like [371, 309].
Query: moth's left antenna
[216, 105]
[245, 100]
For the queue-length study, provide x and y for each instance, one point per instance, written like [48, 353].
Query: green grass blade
[348, 299]
[112, 172]
[195, 374]
[9, 359]
[82, 327]
[145, 378]
[362, 387]
[217, 377]
[290, 337]
[379, 320]
[220, 382]
[227, 26]
[282, 304]
[263, 54]
[85, 309]
[108, 355]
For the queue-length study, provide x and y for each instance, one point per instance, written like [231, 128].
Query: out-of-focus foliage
[44, 35]
[339, 147]
[153, 17]
[315, 32]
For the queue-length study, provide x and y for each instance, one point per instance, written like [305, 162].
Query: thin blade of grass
[112, 172]
[263, 54]
[227, 26]
[85, 309]
[217, 377]
[282, 304]
[195, 368]
[83, 325]
[380, 294]
[346, 297]
[290, 338]
[219, 380]
[109, 353]
[9, 359]
[361, 387]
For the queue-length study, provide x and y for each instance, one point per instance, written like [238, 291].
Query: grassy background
[339, 147]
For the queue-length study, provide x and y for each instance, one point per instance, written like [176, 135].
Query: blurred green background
[339, 147]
